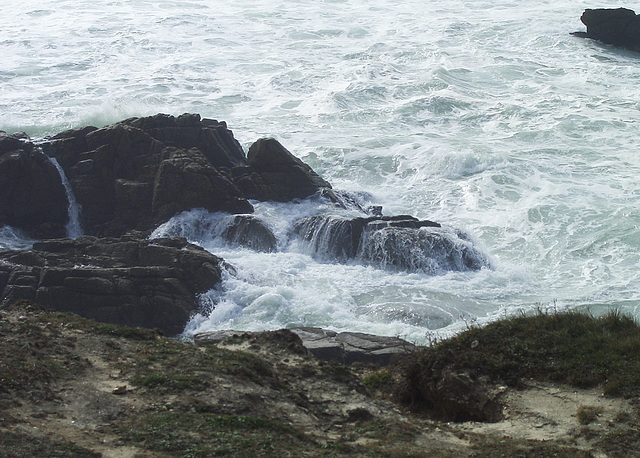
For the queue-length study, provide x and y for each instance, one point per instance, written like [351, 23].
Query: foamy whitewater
[485, 116]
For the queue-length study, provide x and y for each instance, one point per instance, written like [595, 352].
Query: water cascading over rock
[32, 197]
[74, 229]
[203, 227]
[400, 242]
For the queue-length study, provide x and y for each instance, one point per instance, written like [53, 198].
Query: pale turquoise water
[485, 116]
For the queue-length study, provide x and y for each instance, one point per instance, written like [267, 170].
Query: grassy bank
[73, 387]
[572, 348]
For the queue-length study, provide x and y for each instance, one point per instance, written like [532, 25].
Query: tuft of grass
[379, 381]
[588, 414]
[574, 348]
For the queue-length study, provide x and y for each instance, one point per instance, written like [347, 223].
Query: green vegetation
[195, 434]
[588, 414]
[170, 366]
[161, 396]
[572, 348]
[507, 447]
[34, 356]
[379, 381]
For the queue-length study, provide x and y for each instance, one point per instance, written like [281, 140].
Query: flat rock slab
[345, 347]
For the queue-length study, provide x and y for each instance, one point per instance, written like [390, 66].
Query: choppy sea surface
[486, 116]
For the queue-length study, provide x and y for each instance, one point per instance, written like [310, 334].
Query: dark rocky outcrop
[273, 173]
[400, 242]
[129, 281]
[185, 180]
[137, 173]
[619, 27]
[31, 193]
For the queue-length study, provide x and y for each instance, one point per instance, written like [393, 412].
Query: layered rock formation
[619, 27]
[129, 281]
[344, 347]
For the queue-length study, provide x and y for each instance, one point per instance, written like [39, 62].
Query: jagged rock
[32, 196]
[214, 140]
[137, 173]
[185, 180]
[273, 173]
[344, 347]
[619, 27]
[398, 242]
[141, 171]
[129, 281]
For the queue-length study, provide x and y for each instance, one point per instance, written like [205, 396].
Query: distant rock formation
[128, 281]
[619, 27]
[400, 242]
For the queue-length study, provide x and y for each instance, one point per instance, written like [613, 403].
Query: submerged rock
[204, 227]
[249, 231]
[619, 27]
[400, 242]
[129, 281]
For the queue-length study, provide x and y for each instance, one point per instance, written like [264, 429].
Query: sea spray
[296, 286]
[74, 230]
[468, 113]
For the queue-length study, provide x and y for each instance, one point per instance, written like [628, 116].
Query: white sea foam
[484, 116]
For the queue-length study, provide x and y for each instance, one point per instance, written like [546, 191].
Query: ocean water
[488, 117]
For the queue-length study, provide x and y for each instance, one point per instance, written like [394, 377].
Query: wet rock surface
[31, 193]
[399, 242]
[138, 173]
[129, 281]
